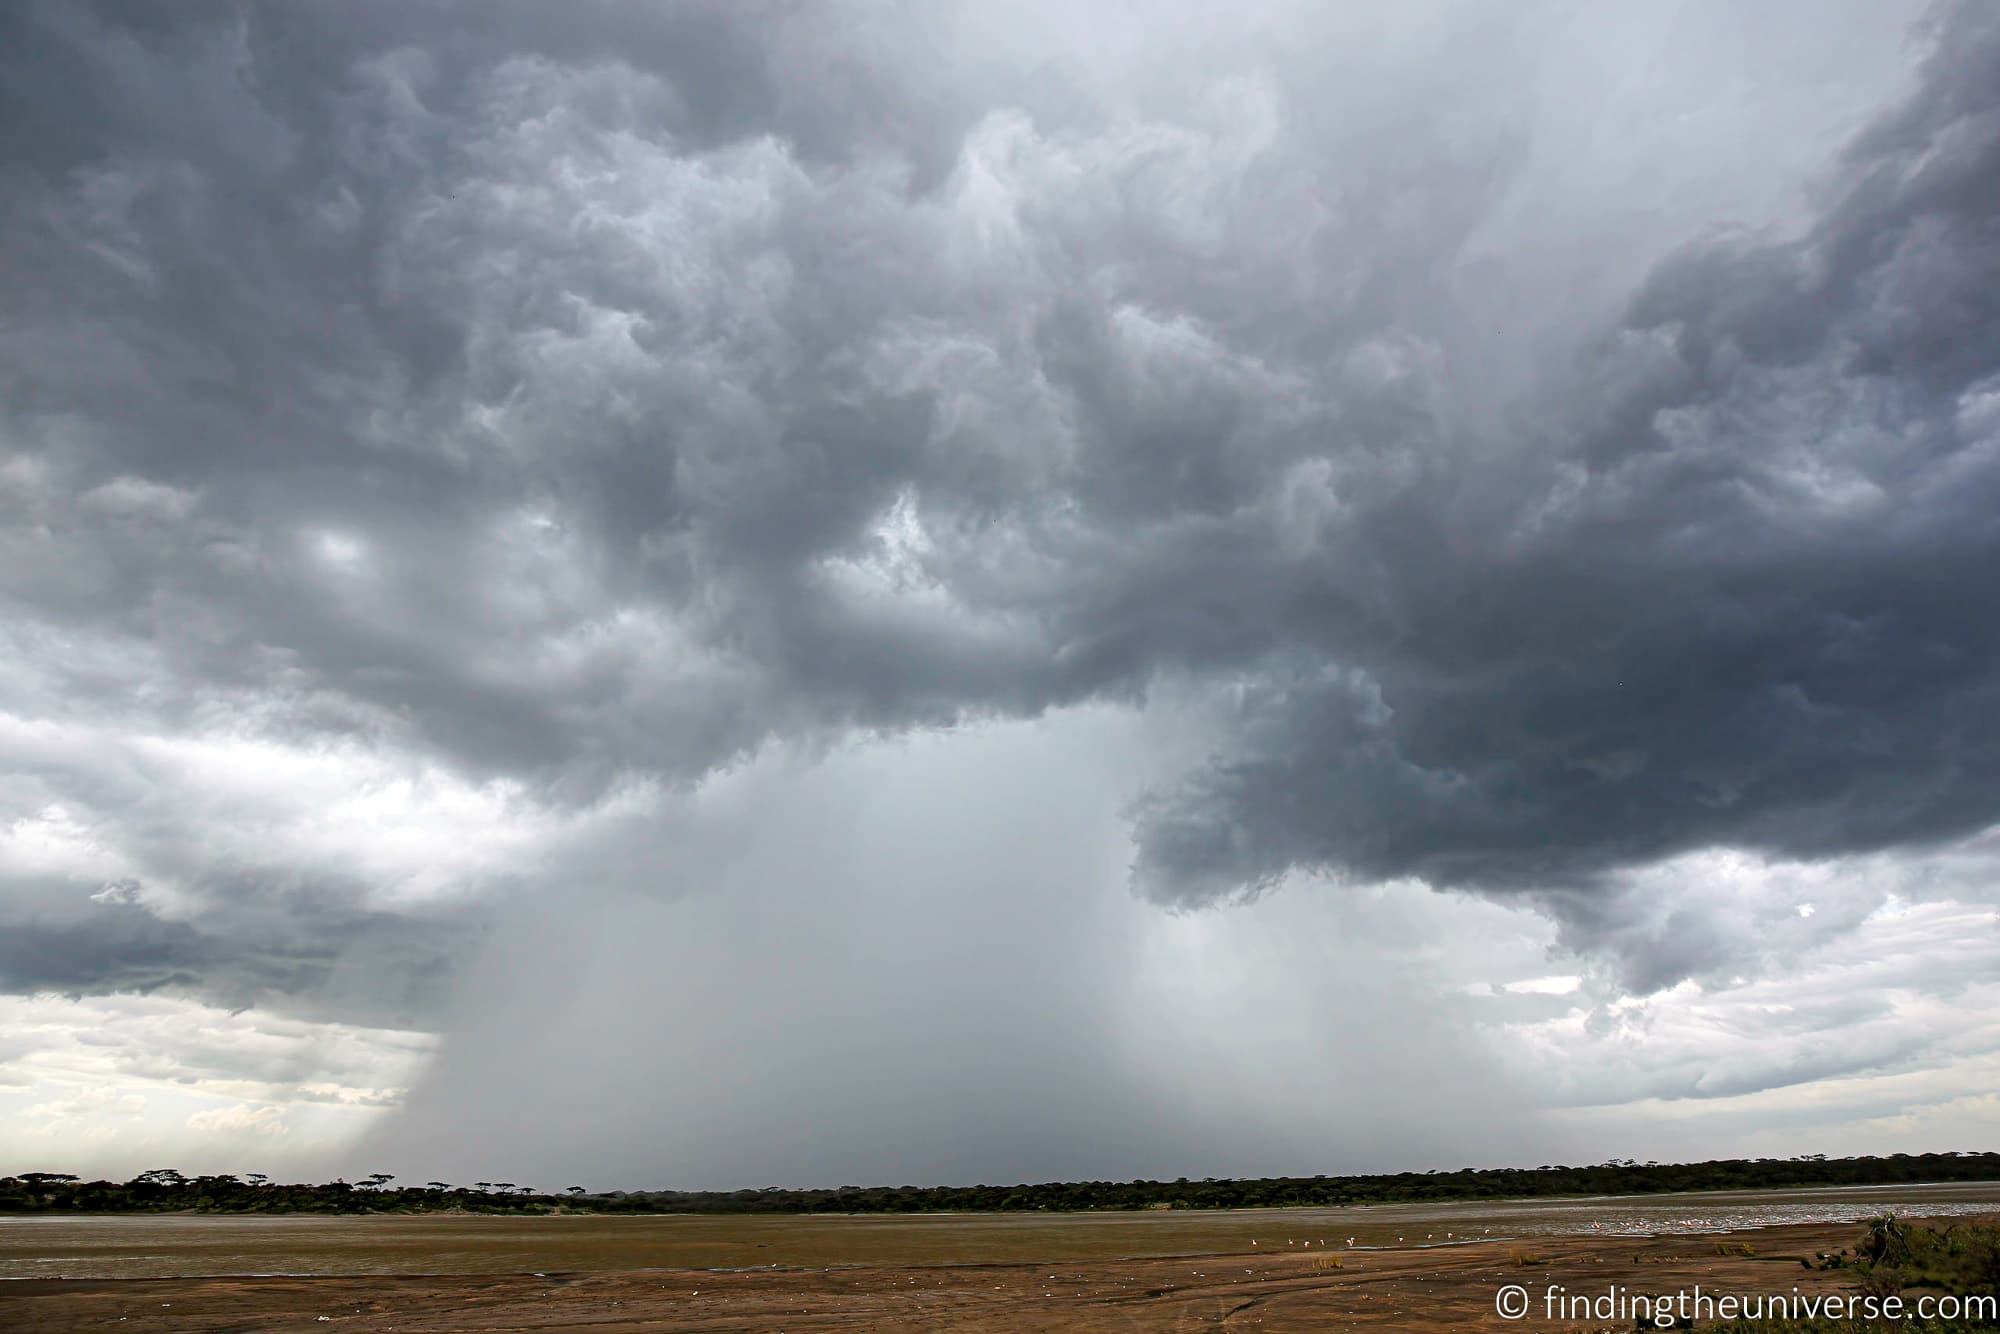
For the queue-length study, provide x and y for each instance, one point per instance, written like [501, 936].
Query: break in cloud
[455, 462]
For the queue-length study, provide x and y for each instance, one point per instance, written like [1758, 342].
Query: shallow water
[154, 1246]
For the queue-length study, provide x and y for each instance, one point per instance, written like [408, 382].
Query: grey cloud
[1906, 995]
[578, 399]
[1737, 608]
[323, 959]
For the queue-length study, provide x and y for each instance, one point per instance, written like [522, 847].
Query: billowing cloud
[1720, 601]
[1540, 455]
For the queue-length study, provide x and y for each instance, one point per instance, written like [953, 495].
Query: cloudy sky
[739, 594]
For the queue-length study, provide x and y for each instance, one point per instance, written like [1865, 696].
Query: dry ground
[1438, 1288]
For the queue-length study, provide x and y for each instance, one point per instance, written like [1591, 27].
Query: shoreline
[445, 1247]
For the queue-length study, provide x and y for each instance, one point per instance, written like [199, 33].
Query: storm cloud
[1530, 454]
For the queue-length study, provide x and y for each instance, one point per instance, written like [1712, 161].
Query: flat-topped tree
[167, 1188]
[40, 1182]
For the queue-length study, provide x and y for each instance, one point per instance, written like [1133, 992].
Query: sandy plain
[1280, 1283]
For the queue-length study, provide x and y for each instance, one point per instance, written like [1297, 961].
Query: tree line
[168, 1190]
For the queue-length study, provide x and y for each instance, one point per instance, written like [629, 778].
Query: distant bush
[165, 1189]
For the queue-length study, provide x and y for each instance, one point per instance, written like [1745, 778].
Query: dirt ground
[1435, 1288]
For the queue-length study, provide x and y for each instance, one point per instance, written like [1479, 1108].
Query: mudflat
[1419, 1287]
[354, 1245]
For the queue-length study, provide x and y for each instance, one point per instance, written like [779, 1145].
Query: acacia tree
[38, 1182]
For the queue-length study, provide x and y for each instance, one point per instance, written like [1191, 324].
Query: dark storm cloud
[1741, 603]
[574, 397]
[313, 954]
[278, 260]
